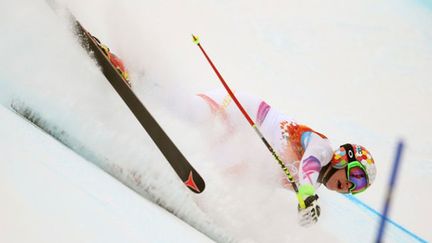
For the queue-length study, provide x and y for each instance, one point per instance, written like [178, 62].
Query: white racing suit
[303, 150]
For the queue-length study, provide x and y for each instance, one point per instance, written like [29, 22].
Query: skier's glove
[309, 215]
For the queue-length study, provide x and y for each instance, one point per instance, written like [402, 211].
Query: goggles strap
[326, 174]
[322, 173]
[350, 152]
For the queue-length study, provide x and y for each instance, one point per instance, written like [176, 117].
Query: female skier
[348, 169]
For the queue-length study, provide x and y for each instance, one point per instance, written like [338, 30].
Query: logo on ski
[191, 183]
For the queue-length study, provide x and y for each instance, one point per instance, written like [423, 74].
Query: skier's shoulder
[311, 137]
[302, 135]
[319, 146]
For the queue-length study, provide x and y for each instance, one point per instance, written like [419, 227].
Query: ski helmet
[356, 159]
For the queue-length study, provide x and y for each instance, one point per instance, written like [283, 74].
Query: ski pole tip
[195, 39]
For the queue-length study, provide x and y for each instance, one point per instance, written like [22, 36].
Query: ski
[190, 177]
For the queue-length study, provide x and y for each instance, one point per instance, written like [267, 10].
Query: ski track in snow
[358, 73]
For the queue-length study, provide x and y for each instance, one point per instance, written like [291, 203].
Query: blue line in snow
[359, 202]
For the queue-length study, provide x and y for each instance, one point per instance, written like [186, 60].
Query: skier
[306, 152]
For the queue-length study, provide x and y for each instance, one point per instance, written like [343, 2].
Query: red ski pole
[252, 123]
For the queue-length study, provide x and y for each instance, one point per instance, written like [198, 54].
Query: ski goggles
[357, 176]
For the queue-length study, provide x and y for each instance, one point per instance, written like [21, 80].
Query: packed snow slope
[358, 72]
[50, 194]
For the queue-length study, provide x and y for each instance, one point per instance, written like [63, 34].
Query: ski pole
[390, 189]
[252, 123]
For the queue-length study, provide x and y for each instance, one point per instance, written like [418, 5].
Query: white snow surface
[51, 194]
[356, 71]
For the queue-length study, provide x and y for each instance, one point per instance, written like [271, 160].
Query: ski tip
[195, 39]
[196, 185]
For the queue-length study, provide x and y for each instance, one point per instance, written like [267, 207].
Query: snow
[51, 194]
[357, 72]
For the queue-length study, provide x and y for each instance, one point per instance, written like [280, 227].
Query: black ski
[178, 162]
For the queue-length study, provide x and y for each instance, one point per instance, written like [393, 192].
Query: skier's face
[339, 182]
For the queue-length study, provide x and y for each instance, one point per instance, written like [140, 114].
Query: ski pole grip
[301, 201]
[304, 191]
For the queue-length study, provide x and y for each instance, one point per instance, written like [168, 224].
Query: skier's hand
[309, 215]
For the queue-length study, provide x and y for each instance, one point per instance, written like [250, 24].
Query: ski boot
[115, 61]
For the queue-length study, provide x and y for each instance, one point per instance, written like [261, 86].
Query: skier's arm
[317, 154]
